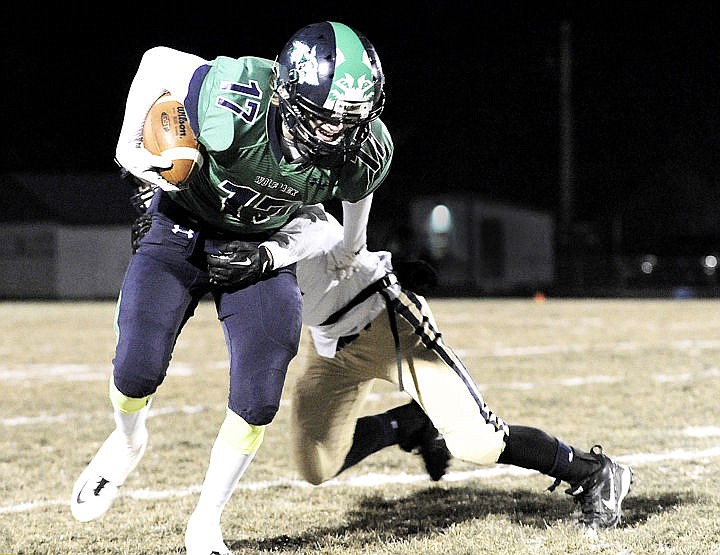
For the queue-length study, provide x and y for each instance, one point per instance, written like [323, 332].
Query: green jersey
[245, 184]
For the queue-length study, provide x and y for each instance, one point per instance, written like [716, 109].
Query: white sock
[132, 425]
[226, 467]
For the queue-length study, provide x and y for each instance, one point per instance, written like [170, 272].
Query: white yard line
[690, 345]
[73, 416]
[377, 480]
[568, 381]
[91, 372]
[73, 372]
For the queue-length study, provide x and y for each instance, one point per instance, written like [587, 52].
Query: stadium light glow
[709, 264]
[439, 225]
[648, 263]
[440, 219]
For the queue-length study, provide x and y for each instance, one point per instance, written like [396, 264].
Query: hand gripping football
[167, 132]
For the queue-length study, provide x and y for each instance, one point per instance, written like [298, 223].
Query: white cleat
[204, 537]
[92, 496]
[97, 487]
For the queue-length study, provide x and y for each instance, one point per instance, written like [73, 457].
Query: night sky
[472, 94]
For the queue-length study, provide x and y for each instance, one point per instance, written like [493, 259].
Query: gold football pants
[330, 394]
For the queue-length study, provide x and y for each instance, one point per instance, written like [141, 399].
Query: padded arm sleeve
[355, 220]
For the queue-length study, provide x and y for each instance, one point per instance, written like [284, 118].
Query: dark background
[472, 100]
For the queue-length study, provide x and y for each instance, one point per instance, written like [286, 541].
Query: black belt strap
[375, 287]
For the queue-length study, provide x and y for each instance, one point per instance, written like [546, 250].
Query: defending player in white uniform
[365, 326]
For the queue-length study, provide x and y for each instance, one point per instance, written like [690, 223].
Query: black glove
[140, 227]
[239, 264]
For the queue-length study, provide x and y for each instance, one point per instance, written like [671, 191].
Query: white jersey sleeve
[301, 237]
[161, 70]
[307, 241]
[355, 220]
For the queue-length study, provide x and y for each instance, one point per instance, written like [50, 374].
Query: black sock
[532, 448]
[372, 433]
[529, 448]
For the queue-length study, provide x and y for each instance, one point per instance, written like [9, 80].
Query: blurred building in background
[480, 247]
[68, 237]
[63, 236]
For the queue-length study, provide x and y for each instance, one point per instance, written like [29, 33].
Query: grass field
[642, 378]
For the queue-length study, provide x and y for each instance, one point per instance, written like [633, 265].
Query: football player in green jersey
[275, 135]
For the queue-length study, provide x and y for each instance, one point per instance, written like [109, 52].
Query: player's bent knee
[315, 464]
[314, 472]
[126, 404]
[240, 435]
[310, 473]
[314, 479]
[261, 416]
[480, 446]
[257, 401]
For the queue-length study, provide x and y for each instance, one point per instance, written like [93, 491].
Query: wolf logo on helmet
[305, 63]
[353, 86]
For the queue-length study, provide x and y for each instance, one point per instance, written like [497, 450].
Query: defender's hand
[342, 262]
[239, 264]
[143, 195]
[140, 227]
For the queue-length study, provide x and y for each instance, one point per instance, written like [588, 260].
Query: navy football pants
[163, 284]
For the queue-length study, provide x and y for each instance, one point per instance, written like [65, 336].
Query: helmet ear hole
[329, 72]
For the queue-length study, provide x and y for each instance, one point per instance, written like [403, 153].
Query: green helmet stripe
[346, 38]
[353, 79]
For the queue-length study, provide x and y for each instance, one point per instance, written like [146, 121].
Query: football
[167, 131]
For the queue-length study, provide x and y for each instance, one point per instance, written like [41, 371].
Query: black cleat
[601, 494]
[416, 434]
